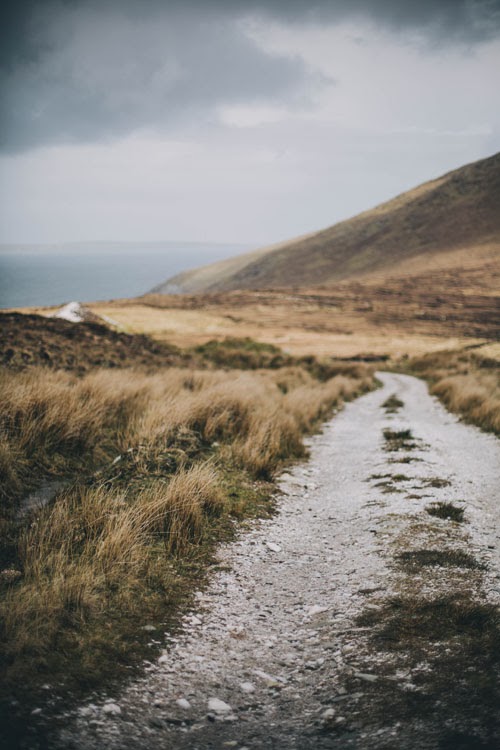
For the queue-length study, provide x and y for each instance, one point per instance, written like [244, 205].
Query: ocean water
[86, 272]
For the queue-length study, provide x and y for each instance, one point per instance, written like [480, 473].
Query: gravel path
[275, 655]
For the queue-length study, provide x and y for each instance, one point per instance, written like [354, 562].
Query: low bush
[243, 353]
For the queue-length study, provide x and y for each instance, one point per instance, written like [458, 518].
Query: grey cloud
[88, 75]
[452, 20]
[472, 20]
[83, 70]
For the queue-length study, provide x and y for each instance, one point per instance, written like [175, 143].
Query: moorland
[154, 436]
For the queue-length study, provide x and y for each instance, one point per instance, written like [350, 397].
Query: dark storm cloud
[83, 70]
[451, 20]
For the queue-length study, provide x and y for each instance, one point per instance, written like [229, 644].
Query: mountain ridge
[455, 213]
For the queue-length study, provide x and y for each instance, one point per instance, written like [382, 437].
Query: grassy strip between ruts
[162, 465]
[450, 646]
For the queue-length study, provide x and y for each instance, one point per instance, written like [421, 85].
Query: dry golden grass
[348, 321]
[53, 422]
[467, 382]
[94, 548]
[177, 511]
[475, 396]
[490, 351]
[317, 331]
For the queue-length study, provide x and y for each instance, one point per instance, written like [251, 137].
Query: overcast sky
[234, 120]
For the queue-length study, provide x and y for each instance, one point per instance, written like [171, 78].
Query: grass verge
[466, 382]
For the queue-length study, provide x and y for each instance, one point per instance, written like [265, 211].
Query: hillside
[205, 277]
[450, 220]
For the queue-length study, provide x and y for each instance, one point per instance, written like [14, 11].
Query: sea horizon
[48, 274]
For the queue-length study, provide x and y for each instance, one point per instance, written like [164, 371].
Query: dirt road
[353, 618]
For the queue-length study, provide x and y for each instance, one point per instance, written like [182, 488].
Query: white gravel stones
[192, 620]
[247, 687]
[218, 706]
[273, 547]
[328, 715]
[316, 609]
[315, 663]
[87, 711]
[111, 709]
[269, 679]
[183, 703]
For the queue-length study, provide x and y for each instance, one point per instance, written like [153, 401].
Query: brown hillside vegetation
[27, 340]
[455, 213]
[407, 315]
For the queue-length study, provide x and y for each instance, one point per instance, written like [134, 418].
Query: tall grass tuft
[176, 512]
[466, 383]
